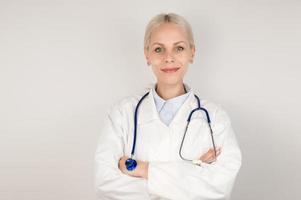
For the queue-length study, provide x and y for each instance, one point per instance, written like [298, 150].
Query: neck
[170, 91]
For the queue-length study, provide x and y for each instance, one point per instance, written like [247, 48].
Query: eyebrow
[163, 44]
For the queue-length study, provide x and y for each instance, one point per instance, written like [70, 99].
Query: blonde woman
[167, 143]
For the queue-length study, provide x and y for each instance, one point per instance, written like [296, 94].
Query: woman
[147, 150]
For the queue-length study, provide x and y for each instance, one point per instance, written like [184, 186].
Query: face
[169, 53]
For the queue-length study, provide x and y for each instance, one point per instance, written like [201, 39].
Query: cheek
[183, 70]
[157, 61]
[184, 58]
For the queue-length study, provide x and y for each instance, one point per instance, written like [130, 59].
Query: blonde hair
[168, 18]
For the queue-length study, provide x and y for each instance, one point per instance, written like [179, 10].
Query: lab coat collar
[175, 101]
[148, 112]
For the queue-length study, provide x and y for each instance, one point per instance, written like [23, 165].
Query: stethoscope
[131, 163]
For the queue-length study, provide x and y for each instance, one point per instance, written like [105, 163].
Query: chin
[170, 81]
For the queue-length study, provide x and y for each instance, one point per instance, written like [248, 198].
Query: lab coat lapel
[147, 111]
[184, 111]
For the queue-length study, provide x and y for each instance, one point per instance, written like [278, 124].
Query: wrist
[144, 170]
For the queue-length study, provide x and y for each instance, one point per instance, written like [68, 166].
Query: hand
[209, 157]
[140, 171]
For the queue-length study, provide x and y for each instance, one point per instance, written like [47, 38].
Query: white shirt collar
[176, 102]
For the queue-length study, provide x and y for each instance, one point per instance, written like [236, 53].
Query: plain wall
[63, 63]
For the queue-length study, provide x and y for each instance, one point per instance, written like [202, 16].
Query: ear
[192, 53]
[146, 56]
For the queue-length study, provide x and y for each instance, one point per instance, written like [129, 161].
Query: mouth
[170, 69]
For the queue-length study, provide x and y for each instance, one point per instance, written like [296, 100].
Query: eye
[158, 49]
[180, 48]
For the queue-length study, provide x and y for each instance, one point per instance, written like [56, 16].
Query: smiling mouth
[170, 70]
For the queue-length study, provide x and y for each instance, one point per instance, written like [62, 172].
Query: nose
[169, 57]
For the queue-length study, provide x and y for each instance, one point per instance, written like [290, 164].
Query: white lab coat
[169, 177]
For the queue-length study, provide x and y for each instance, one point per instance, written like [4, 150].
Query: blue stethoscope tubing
[131, 163]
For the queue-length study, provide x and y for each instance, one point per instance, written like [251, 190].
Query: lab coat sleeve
[182, 180]
[110, 182]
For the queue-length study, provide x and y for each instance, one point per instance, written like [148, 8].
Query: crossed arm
[142, 166]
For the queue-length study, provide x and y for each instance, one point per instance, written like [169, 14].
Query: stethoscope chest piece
[130, 164]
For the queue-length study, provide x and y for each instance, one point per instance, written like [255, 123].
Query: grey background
[63, 63]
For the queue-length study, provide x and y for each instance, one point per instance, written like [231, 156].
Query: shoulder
[220, 120]
[125, 105]
[217, 112]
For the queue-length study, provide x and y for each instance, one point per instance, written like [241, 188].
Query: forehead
[168, 33]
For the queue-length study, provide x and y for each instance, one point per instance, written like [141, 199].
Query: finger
[210, 161]
[218, 149]
[213, 155]
[121, 163]
[208, 155]
[211, 150]
[217, 152]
